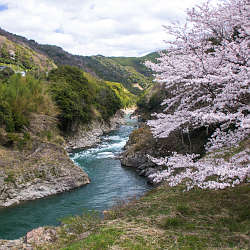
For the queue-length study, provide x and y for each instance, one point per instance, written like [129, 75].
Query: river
[110, 182]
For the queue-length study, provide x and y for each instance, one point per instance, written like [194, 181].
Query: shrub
[79, 96]
[19, 97]
[73, 95]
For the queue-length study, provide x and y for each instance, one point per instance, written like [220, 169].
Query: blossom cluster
[209, 172]
[206, 72]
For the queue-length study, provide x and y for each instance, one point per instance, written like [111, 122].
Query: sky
[92, 27]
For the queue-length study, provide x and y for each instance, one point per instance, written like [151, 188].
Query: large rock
[37, 165]
[41, 236]
[32, 240]
[46, 171]
[89, 135]
[142, 143]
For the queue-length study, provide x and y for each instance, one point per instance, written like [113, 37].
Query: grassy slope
[166, 218]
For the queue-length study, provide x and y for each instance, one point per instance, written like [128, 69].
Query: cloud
[90, 27]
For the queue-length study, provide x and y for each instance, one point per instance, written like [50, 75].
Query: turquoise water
[109, 183]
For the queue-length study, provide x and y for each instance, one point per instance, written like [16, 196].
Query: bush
[19, 97]
[73, 95]
[82, 98]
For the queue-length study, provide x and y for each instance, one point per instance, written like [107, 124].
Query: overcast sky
[91, 27]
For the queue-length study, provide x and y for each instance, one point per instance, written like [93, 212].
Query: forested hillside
[74, 95]
[36, 115]
[20, 57]
[82, 98]
[130, 72]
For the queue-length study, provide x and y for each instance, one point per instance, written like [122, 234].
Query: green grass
[168, 218]
[103, 239]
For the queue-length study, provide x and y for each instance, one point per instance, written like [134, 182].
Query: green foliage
[22, 58]
[19, 97]
[126, 98]
[150, 101]
[19, 141]
[71, 93]
[107, 102]
[172, 222]
[138, 63]
[10, 177]
[6, 115]
[184, 210]
[82, 98]
[129, 71]
[111, 70]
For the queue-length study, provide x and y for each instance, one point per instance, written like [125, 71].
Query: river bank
[34, 163]
[164, 218]
[42, 167]
[90, 134]
[109, 183]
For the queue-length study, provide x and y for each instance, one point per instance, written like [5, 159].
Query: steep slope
[137, 62]
[129, 71]
[110, 69]
[33, 161]
[20, 57]
[34, 164]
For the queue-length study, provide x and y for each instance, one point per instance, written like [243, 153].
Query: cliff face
[142, 143]
[37, 165]
[89, 135]
[40, 166]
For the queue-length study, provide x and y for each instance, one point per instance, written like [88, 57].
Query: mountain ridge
[129, 71]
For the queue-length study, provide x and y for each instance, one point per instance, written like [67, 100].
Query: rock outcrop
[32, 240]
[89, 135]
[37, 165]
[142, 143]
[48, 170]
[34, 164]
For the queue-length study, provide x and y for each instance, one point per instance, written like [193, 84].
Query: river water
[109, 183]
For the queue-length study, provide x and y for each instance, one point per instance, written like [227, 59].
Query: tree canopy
[206, 73]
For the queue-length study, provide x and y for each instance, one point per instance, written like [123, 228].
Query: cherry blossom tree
[206, 72]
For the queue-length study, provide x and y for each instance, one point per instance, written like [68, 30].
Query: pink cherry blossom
[206, 72]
